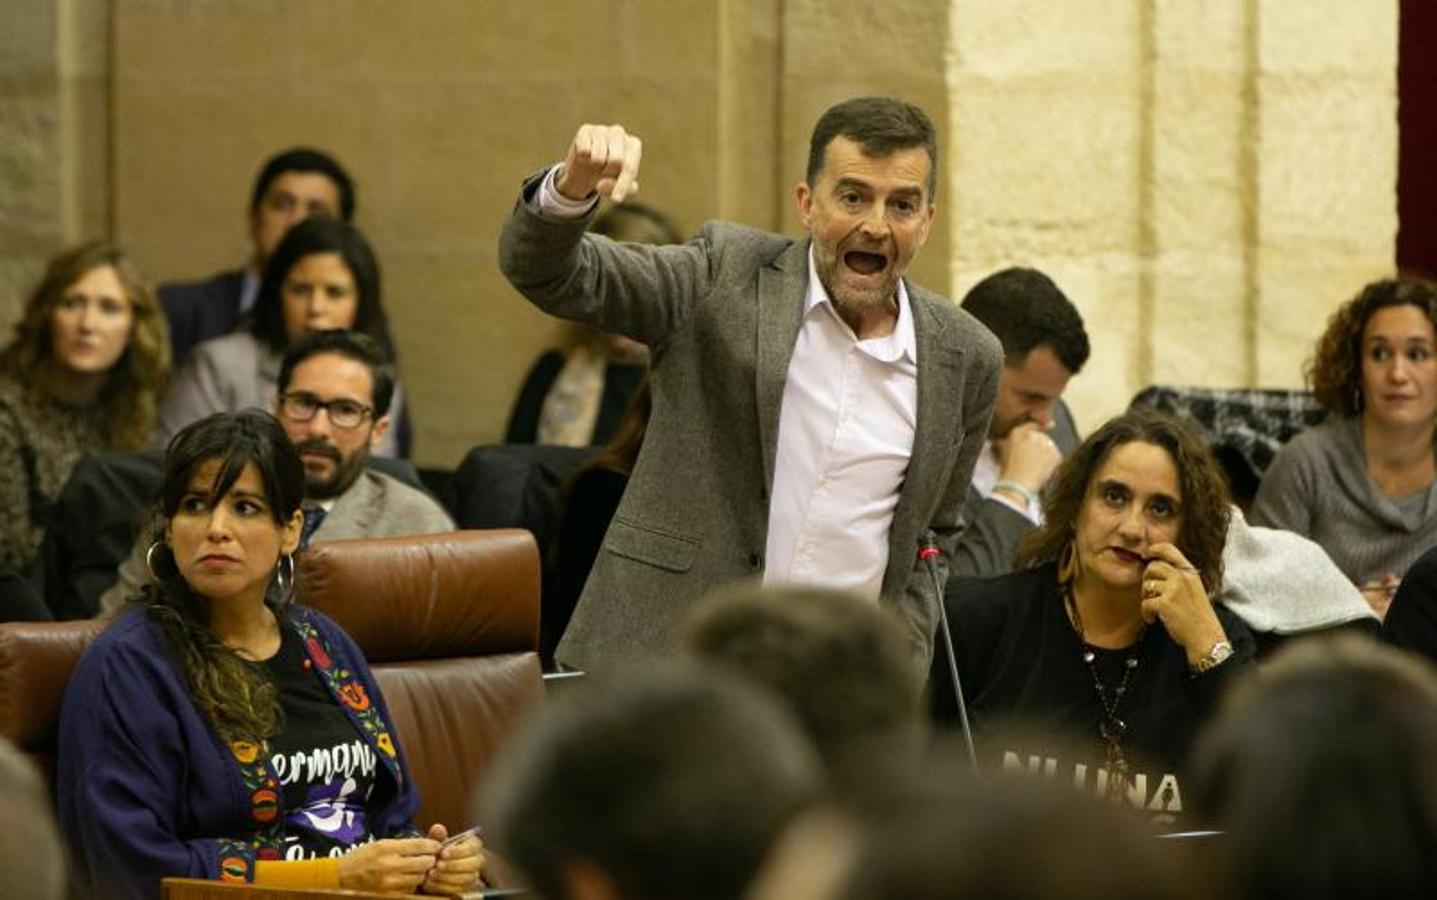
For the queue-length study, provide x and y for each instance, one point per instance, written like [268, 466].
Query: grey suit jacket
[376, 505]
[720, 316]
[992, 529]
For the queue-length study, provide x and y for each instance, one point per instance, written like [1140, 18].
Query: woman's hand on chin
[458, 866]
[395, 865]
[1173, 594]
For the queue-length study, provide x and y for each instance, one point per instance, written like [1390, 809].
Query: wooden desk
[201, 889]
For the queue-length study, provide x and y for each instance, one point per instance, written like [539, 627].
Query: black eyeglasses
[301, 406]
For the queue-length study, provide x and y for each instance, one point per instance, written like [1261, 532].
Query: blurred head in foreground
[840, 663]
[662, 784]
[945, 833]
[1321, 774]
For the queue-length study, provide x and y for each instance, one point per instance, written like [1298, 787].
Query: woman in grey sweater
[1361, 483]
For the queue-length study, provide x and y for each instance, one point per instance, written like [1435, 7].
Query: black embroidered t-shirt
[326, 768]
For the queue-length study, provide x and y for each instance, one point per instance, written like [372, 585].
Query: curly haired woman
[1361, 483]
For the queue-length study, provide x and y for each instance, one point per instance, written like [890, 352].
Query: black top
[326, 768]
[1411, 621]
[1020, 659]
[593, 497]
[620, 382]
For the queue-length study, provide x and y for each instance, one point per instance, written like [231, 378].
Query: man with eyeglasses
[333, 400]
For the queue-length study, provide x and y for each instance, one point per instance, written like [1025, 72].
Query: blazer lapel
[781, 289]
[940, 375]
[353, 512]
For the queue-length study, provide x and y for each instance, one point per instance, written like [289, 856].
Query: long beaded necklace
[1111, 729]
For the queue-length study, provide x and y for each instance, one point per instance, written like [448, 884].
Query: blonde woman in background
[83, 372]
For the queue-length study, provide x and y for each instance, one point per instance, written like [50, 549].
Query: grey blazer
[376, 505]
[720, 315]
[992, 530]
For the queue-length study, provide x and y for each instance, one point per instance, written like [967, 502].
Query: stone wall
[54, 134]
[1207, 178]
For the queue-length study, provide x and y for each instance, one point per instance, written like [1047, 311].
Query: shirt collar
[901, 342]
[249, 290]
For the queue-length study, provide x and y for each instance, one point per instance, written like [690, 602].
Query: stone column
[1206, 179]
[54, 137]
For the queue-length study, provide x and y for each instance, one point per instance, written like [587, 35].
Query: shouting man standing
[816, 417]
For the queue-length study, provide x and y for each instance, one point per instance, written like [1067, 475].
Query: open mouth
[865, 263]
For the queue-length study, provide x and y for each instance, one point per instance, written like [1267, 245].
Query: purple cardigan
[146, 789]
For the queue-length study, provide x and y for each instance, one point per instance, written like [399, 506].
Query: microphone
[928, 553]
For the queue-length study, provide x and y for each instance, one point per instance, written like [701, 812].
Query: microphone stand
[929, 554]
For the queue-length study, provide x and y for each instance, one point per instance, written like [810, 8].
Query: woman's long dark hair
[1205, 503]
[238, 697]
[318, 234]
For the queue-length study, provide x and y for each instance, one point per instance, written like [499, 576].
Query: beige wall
[54, 77]
[1206, 178]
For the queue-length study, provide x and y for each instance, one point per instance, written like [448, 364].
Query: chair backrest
[512, 486]
[36, 659]
[449, 622]
[450, 626]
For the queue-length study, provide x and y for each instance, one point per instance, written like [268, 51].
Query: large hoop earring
[150, 560]
[285, 579]
[1067, 563]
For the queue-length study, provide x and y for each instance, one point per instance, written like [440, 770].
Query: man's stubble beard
[880, 299]
[346, 472]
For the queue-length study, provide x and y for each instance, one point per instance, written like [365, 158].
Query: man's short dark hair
[841, 663]
[880, 125]
[1026, 310]
[672, 781]
[305, 159]
[351, 345]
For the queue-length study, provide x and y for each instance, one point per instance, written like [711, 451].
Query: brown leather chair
[450, 626]
[36, 659]
[448, 622]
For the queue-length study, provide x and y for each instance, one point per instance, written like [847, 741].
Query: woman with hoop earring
[1105, 638]
[219, 730]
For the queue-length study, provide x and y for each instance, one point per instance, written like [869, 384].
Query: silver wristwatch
[1216, 655]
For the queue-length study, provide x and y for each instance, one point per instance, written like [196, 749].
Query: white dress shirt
[845, 435]
[249, 290]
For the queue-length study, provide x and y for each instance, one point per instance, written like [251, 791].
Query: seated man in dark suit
[333, 401]
[291, 187]
[1044, 345]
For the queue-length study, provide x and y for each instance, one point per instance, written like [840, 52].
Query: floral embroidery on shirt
[346, 686]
